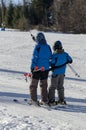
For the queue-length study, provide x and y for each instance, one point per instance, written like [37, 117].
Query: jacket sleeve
[53, 61]
[69, 59]
[34, 58]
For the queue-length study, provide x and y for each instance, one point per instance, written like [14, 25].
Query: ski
[59, 106]
[15, 100]
[20, 100]
[30, 103]
[25, 101]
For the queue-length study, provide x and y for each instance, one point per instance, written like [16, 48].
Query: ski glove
[52, 65]
[32, 69]
[69, 62]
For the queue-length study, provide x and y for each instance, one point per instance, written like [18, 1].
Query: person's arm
[69, 59]
[34, 59]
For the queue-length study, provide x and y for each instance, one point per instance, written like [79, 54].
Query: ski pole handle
[27, 75]
[36, 69]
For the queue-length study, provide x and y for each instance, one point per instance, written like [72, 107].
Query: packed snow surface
[16, 50]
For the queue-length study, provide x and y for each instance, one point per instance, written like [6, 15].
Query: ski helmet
[40, 38]
[57, 45]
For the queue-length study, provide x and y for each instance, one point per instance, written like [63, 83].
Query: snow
[15, 57]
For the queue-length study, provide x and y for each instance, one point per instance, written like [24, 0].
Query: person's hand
[69, 62]
[32, 69]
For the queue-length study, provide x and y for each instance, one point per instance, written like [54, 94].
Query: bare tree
[70, 15]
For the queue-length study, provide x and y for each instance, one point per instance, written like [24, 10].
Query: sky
[14, 1]
[17, 1]
[16, 50]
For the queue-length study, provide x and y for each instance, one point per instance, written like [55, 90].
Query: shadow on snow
[21, 72]
[11, 71]
[73, 108]
[14, 95]
[74, 105]
[75, 79]
[8, 97]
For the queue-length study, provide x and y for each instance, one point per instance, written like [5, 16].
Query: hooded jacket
[60, 57]
[41, 56]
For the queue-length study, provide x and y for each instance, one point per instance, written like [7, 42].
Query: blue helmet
[57, 45]
[40, 38]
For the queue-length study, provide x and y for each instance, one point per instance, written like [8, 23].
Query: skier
[3, 26]
[57, 80]
[41, 58]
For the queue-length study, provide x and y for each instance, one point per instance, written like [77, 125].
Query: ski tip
[15, 100]
[25, 100]
[77, 75]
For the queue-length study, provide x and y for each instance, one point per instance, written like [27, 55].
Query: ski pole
[73, 70]
[33, 37]
[30, 33]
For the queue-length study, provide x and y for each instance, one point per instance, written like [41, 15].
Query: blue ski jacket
[41, 56]
[60, 59]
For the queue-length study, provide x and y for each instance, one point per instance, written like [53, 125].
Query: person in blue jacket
[41, 59]
[59, 58]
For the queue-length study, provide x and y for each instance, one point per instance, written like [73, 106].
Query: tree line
[68, 16]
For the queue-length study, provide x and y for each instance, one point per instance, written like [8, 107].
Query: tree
[78, 16]
[9, 15]
[3, 9]
[64, 15]
[24, 21]
[38, 11]
[17, 16]
[71, 16]
[0, 15]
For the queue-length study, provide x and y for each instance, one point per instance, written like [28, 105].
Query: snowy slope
[15, 57]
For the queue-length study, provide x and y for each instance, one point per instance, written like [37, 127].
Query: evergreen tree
[9, 15]
[2, 11]
[0, 16]
[17, 16]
